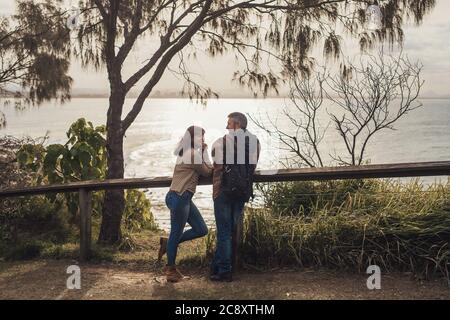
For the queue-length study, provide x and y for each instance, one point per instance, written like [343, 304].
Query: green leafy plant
[82, 157]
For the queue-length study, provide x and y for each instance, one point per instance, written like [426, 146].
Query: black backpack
[237, 179]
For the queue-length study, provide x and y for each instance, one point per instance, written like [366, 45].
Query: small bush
[137, 214]
[137, 217]
[35, 216]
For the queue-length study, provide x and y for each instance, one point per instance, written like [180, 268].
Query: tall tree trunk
[114, 202]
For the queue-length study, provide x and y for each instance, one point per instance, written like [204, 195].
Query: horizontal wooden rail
[421, 169]
[85, 188]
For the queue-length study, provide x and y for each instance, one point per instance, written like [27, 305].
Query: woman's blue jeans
[182, 211]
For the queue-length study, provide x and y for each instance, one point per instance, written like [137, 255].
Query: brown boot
[162, 247]
[173, 274]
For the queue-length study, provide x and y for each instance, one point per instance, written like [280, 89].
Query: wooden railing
[85, 188]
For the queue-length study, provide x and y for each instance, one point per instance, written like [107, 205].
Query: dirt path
[46, 279]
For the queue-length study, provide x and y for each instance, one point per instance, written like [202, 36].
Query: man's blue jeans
[182, 211]
[227, 214]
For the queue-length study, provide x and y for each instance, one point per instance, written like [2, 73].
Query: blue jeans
[227, 214]
[182, 211]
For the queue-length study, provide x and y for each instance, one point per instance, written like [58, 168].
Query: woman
[192, 162]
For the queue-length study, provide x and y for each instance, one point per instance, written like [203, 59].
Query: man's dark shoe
[223, 277]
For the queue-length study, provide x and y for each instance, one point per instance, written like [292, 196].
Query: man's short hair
[239, 118]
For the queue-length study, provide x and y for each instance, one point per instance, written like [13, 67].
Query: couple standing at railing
[234, 156]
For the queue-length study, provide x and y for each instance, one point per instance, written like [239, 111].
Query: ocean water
[422, 135]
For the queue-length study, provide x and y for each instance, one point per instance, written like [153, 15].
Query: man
[234, 157]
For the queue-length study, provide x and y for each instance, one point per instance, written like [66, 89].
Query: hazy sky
[428, 43]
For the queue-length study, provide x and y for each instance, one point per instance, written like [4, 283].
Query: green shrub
[137, 217]
[34, 216]
[137, 214]
[53, 218]
[82, 157]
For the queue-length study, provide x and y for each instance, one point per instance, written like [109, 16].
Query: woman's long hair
[189, 140]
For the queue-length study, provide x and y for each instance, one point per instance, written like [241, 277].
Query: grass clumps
[398, 226]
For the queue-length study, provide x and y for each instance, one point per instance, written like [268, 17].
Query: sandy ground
[46, 279]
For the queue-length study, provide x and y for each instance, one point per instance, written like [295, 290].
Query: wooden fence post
[85, 205]
[236, 242]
